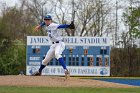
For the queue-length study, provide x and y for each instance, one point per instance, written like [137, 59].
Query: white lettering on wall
[80, 41]
[74, 70]
[34, 58]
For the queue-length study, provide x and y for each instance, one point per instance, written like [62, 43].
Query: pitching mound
[55, 81]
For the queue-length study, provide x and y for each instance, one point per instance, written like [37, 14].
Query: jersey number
[50, 35]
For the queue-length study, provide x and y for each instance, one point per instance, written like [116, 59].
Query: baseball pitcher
[57, 46]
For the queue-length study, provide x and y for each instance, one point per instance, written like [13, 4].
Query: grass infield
[14, 89]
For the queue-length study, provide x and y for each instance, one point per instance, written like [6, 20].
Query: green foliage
[15, 24]
[14, 59]
[132, 19]
[4, 44]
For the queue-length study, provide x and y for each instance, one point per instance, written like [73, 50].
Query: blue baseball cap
[47, 17]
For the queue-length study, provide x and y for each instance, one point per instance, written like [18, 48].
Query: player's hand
[37, 28]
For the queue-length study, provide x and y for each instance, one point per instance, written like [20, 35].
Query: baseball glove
[72, 26]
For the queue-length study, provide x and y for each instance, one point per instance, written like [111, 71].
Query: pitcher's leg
[48, 57]
[58, 51]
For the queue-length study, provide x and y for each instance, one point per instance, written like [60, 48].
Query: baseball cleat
[67, 73]
[37, 73]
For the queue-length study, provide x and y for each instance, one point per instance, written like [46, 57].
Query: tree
[62, 12]
[132, 19]
[15, 24]
[36, 9]
[13, 60]
[92, 16]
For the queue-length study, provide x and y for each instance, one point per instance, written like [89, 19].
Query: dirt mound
[55, 81]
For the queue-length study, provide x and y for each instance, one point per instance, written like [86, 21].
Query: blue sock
[61, 60]
[41, 68]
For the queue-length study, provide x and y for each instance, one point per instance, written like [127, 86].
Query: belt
[55, 42]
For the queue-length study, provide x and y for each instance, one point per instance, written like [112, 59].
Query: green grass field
[8, 89]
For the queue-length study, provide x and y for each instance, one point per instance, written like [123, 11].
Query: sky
[9, 2]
